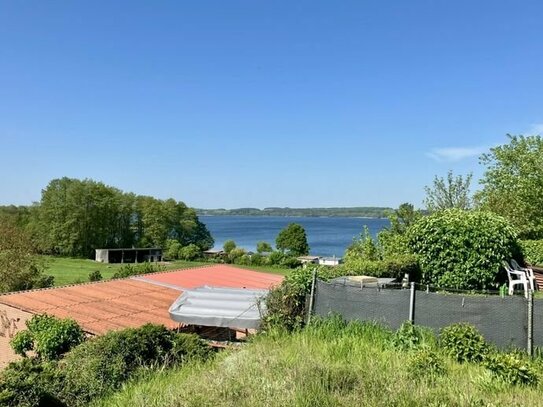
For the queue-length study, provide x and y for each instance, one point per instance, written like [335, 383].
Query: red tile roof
[220, 275]
[117, 304]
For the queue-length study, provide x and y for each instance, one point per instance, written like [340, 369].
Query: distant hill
[363, 211]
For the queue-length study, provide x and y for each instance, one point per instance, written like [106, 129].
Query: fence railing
[506, 321]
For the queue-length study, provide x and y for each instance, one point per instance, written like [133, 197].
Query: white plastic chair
[529, 273]
[516, 278]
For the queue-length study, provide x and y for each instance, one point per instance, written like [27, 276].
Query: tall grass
[327, 364]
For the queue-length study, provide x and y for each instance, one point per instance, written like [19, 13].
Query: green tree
[228, 246]
[75, 217]
[450, 192]
[293, 239]
[20, 267]
[190, 252]
[513, 184]
[263, 247]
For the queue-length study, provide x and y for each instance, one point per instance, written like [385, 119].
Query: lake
[326, 236]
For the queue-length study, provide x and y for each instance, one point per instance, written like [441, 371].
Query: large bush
[48, 336]
[394, 267]
[103, 364]
[462, 249]
[464, 343]
[29, 383]
[532, 251]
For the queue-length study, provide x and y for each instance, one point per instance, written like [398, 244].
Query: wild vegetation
[332, 363]
[69, 371]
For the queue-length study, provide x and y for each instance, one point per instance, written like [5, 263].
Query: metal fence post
[530, 344]
[412, 303]
[311, 296]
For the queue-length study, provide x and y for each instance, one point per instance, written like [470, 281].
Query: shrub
[464, 343]
[285, 304]
[275, 258]
[95, 276]
[257, 259]
[48, 336]
[532, 251]
[103, 364]
[512, 368]
[407, 337]
[426, 363]
[128, 270]
[235, 254]
[172, 249]
[190, 252]
[290, 262]
[29, 383]
[44, 281]
[462, 249]
[395, 267]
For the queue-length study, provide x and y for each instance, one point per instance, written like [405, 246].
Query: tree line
[74, 217]
[366, 212]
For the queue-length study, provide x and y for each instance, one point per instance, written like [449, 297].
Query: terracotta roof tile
[116, 304]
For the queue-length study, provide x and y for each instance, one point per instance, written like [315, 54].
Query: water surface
[327, 236]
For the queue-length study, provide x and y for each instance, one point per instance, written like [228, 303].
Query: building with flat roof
[129, 255]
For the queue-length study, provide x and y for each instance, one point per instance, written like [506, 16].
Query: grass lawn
[68, 270]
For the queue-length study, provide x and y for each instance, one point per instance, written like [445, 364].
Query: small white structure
[308, 259]
[330, 261]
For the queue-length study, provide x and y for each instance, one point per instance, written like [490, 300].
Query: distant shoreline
[348, 212]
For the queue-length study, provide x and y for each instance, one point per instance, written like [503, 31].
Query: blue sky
[253, 103]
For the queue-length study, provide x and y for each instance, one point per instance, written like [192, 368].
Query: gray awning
[220, 307]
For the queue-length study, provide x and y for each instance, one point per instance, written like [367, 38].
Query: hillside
[327, 365]
[366, 212]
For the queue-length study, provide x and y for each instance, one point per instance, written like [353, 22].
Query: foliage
[235, 254]
[20, 267]
[462, 249]
[258, 259]
[328, 363]
[290, 262]
[172, 249]
[452, 192]
[285, 304]
[103, 364]
[407, 337]
[513, 182]
[463, 343]
[426, 363]
[512, 368]
[29, 383]
[128, 270]
[363, 248]
[532, 251]
[361, 212]
[190, 252]
[74, 217]
[263, 247]
[228, 246]
[95, 276]
[395, 267]
[276, 258]
[48, 336]
[293, 240]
